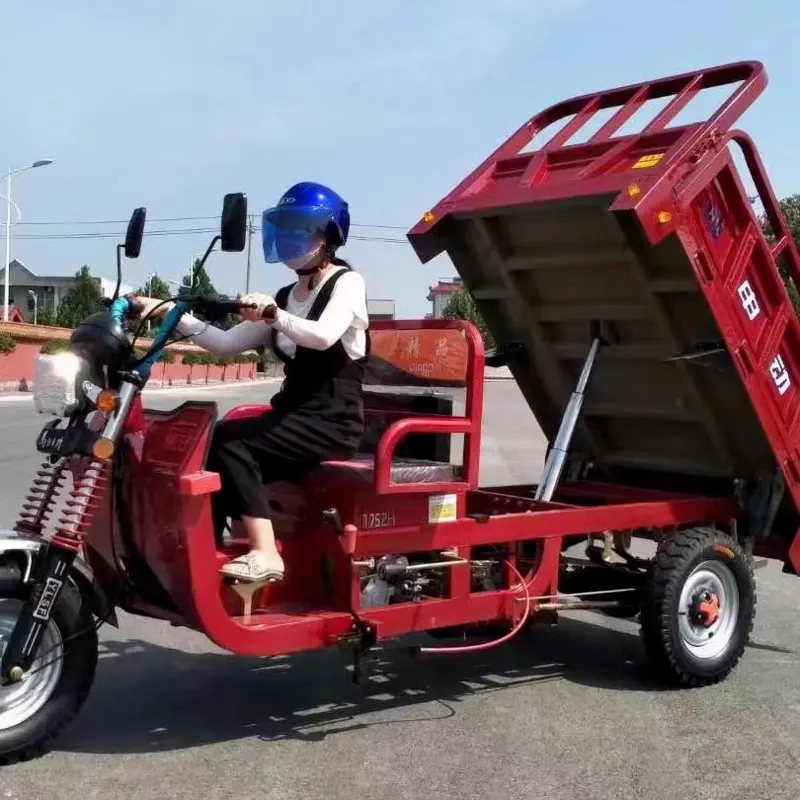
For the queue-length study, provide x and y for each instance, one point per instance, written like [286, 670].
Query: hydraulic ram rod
[557, 457]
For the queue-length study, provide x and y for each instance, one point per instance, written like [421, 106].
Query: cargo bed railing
[764, 339]
[559, 169]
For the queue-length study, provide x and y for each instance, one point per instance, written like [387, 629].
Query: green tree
[790, 208]
[81, 301]
[7, 344]
[156, 287]
[462, 306]
[201, 285]
[46, 316]
[54, 346]
[204, 287]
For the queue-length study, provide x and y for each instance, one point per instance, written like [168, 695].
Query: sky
[170, 104]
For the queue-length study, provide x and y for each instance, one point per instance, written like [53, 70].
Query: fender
[82, 575]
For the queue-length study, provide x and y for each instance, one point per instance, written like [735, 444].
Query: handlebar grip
[231, 307]
[135, 306]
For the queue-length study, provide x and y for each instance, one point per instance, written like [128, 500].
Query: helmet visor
[292, 233]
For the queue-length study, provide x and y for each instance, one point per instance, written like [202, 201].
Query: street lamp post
[149, 289]
[43, 162]
[35, 299]
[181, 286]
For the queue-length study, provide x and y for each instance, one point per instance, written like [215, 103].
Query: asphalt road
[565, 714]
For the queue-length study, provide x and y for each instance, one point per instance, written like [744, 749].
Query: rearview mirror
[233, 228]
[135, 233]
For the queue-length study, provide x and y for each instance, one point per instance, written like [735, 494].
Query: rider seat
[404, 470]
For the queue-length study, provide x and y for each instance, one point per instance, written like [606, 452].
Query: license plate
[51, 440]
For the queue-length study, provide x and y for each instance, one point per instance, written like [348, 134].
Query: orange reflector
[634, 190]
[106, 402]
[664, 217]
[103, 449]
[428, 217]
[724, 551]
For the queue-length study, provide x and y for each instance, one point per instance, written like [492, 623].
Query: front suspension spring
[81, 505]
[37, 506]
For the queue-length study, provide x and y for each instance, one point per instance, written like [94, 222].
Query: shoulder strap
[368, 348]
[324, 296]
[323, 299]
[281, 299]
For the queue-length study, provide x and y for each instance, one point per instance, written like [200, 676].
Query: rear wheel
[699, 607]
[35, 710]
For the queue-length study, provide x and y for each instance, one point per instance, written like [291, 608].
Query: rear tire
[29, 724]
[699, 607]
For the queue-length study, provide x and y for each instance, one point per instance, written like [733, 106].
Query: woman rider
[318, 326]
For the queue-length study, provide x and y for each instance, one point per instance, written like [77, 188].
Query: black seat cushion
[404, 470]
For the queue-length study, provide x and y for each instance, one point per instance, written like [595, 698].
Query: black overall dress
[318, 415]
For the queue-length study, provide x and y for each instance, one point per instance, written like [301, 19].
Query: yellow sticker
[442, 508]
[645, 162]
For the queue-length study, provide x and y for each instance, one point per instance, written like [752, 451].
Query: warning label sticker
[649, 160]
[442, 508]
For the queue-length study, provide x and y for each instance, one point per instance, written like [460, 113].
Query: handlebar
[129, 306]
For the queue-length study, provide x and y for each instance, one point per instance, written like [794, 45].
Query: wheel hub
[708, 609]
[20, 701]
[705, 608]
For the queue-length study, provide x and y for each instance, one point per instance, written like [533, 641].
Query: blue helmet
[291, 229]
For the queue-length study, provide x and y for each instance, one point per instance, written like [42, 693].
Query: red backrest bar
[469, 424]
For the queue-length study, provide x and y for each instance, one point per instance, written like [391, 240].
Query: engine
[416, 576]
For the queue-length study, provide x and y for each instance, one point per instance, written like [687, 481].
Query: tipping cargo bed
[649, 240]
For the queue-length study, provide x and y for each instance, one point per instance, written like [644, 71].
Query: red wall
[19, 367]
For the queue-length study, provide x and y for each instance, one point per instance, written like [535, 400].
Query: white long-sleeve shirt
[345, 317]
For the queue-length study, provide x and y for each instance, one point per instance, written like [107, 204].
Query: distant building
[440, 294]
[49, 289]
[380, 309]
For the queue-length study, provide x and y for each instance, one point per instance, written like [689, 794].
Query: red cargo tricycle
[646, 319]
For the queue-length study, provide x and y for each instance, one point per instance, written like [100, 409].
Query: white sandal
[252, 567]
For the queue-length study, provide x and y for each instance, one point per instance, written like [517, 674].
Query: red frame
[166, 456]
[319, 600]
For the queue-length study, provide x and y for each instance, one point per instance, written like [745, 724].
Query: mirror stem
[120, 248]
[207, 253]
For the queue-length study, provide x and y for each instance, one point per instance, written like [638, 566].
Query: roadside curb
[21, 396]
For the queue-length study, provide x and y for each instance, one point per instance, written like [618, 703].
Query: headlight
[55, 387]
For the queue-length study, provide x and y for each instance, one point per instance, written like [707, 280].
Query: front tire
[699, 607]
[34, 711]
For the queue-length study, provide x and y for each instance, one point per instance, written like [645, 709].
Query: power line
[77, 223]
[94, 235]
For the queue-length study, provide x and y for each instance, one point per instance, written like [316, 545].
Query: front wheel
[35, 710]
[699, 607]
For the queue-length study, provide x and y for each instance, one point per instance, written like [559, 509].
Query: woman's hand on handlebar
[152, 308]
[265, 307]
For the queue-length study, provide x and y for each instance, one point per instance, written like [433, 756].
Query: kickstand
[359, 671]
[358, 641]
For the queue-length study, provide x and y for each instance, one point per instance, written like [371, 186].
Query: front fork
[50, 574]
[53, 563]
